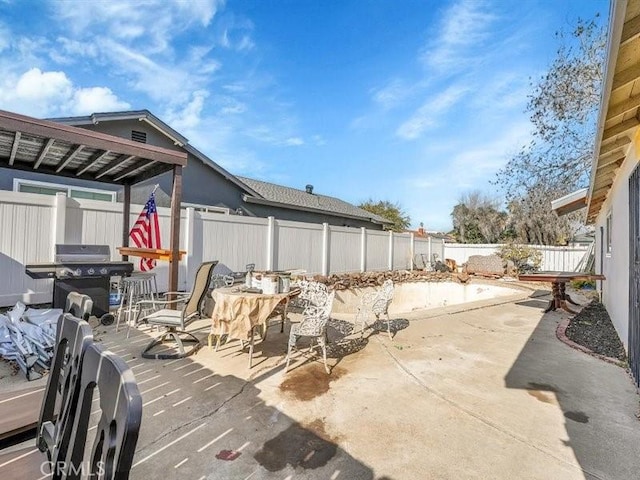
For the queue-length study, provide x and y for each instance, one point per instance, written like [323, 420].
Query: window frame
[608, 234]
[18, 182]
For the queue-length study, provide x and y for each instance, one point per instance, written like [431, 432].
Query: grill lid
[82, 253]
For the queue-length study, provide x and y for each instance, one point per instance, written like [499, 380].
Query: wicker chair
[313, 324]
[176, 320]
[376, 303]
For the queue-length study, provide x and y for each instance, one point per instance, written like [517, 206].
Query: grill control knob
[78, 272]
[103, 271]
[91, 271]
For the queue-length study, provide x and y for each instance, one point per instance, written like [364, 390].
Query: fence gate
[634, 275]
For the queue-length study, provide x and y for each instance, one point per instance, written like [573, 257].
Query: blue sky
[410, 101]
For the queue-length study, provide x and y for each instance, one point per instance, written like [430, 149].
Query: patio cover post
[126, 219]
[176, 197]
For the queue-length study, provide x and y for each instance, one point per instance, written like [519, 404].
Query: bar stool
[138, 286]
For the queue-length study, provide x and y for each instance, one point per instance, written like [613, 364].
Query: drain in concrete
[299, 447]
[310, 381]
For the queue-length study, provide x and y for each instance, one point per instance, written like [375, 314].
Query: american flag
[146, 232]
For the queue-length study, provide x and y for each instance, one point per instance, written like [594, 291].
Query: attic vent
[137, 136]
[309, 189]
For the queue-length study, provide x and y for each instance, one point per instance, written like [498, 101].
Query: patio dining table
[558, 282]
[237, 313]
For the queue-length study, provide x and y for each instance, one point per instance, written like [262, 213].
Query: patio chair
[79, 305]
[120, 405]
[176, 320]
[74, 335]
[376, 303]
[314, 325]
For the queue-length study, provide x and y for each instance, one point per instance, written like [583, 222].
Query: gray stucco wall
[201, 184]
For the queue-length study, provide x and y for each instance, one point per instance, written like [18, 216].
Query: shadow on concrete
[198, 423]
[597, 401]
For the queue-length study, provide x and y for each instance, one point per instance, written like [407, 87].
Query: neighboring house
[422, 233]
[206, 185]
[613, 197]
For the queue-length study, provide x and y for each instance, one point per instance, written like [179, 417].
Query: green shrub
[524, 257]
[580, 284]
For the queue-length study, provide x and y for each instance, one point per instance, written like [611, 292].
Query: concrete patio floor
[471, 392]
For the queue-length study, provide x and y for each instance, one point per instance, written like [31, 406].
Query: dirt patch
[540, 391]
[592, 328]
[298, 446]
[310, 381]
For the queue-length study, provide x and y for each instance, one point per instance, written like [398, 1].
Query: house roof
[31, 144]
[619, 106]
[287, 197]
[155, 122]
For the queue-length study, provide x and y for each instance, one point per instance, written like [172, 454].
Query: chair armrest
[159, 302]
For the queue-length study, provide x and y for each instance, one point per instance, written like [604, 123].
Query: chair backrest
[383, 298]
[74, 335]
[314, 293]
[200, 287]
[121, 413]
[79, 305]
[315, 316]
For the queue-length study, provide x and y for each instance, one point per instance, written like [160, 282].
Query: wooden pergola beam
[130, 170]
[603, 162]
[611, 167]
[73, 154]
[43, 153]
[126, 219]
[110, 167]
[92, 162]
[14, 147]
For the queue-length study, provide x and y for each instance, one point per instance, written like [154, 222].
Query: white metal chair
[313, 324]
[376, 303]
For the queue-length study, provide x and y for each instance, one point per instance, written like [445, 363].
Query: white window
[46, 188]
[608, 231]
[205, 208]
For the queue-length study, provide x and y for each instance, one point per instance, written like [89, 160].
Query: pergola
[35, 145]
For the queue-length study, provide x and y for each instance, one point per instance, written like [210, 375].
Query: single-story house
[613, 196]
[207, 186]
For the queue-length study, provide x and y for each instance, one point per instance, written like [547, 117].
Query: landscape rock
[485, 265]
[375, 279]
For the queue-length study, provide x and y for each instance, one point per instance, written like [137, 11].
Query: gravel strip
[592, 328]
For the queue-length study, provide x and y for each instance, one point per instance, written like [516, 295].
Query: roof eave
[617, 13]
[571, 202]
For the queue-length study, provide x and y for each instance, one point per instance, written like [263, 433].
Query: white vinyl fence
[32, 224]
[553, 258]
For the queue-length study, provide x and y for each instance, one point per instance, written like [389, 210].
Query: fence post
[189, 239]
[363, 249]
[390, 262]
[325, 249]
[271, 235]
[429, 250]
[412, 249]
[59, 222]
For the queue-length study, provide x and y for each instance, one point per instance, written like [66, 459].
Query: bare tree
[477, 218]
[563, 108]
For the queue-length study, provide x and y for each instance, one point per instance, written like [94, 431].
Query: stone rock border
[561, 333]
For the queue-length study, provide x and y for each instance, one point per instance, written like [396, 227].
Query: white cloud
[47, 93]
[189, 116]
[461, 34]
[293, 142]
[127, 20]
[428, 115]
[391, 94]
[96, 99]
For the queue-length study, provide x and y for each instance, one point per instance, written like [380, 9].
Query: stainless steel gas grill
[85, 269]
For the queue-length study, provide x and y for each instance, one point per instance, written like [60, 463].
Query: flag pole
[155, 188]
